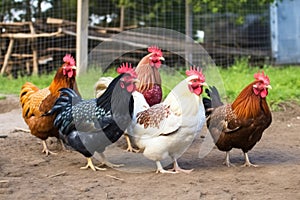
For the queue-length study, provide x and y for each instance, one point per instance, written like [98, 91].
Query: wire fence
[35, 34]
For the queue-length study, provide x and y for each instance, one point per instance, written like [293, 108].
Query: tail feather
[27, 90]
[213, 101]
[67, 97]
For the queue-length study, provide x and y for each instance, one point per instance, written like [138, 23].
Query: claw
[227, 161]
[130, 148]
[92, 166]
[247, 162]
[160, 169]
[109, 164]
[177, 169]
[46, 150]
[163, 171]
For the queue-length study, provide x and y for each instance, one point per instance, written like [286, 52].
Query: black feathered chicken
[89, 126]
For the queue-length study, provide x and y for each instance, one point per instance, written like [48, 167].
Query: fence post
[82, 35]
[188, 29]
[122, 13]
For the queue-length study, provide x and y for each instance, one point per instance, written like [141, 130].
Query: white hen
[169, 128]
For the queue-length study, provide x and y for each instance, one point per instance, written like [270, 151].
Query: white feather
[175, 133]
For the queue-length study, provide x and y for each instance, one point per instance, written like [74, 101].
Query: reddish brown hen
[35, 102]
[242, 123]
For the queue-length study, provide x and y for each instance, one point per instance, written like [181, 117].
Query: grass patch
[2, 97]
[10, 85]
[284, 80]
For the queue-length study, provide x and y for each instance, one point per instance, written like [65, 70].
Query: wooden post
[7, 55]
[34, 51]
[188, 28]
[122, 16]
[82, 35]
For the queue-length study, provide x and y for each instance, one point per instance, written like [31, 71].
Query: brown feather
[247, 104]
[153, 116]
[240, 124]
[147, 75]
[35, 102]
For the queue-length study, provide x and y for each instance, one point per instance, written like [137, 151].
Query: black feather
[213, 101]
[91, 125]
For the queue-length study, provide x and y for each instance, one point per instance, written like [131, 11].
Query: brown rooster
[242, 123]
[148, 74]
[150, 80]
[35, 102]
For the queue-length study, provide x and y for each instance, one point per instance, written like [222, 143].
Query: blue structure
[285, 31]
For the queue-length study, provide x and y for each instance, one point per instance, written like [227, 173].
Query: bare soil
[26, 173]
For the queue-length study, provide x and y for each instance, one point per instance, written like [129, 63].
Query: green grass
[284, 81]
[10, 85]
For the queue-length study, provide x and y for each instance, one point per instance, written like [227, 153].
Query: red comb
[262, 77]
[126, 68]
[69, 59]
[155, 49]
[195, 71]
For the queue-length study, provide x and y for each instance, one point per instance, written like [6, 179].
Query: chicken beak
[204, 84]
[162, 58]
[74, 67]
[269, 87]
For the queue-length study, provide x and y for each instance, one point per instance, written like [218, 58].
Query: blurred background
[36, 34]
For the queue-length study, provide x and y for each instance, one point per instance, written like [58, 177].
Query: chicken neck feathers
[248, 105]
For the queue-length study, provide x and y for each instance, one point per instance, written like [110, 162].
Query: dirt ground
[26, 173]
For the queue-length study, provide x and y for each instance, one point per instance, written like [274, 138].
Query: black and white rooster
[89, 126]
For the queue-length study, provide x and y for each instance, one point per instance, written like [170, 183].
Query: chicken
[169, 128]
[101, 85]
[89, 126]
[242, 123]
[148, 74]
[35, 102]
[150, 81]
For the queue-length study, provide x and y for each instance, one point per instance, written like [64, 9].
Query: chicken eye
[259, 84]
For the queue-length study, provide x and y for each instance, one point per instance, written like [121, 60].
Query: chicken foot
[92, 166]
[107, 163]
[177, 169]
[129, 146]
[46, 149]
[160, 169]
[247, 162]
[227, 160]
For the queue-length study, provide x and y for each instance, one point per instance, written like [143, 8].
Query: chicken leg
[129, 146]
[107, 163]
[160, 169]
[91, 165]
[46, 150]
[247, 162]
[177, 169]
[227, 160]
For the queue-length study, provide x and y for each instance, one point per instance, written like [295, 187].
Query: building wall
[285, 31]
